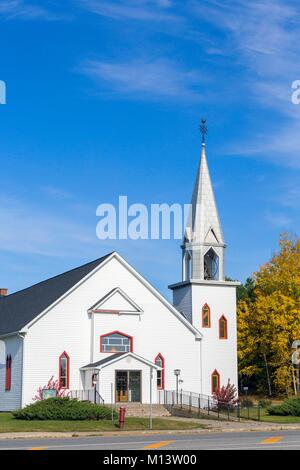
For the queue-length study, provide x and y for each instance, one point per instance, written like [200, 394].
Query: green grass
[9, 424]
[265, 417]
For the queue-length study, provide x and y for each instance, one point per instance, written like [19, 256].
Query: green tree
[269, 321]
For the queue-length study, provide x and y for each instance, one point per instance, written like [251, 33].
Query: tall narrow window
[187, 266]
[223, 333]
[8, 373]
[160, 362]
[205, 316]
[64, 370]
[215, 382]
[116, 342]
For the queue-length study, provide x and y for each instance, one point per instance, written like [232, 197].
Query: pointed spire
[203, 223]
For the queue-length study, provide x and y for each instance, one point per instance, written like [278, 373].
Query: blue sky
[104, 98]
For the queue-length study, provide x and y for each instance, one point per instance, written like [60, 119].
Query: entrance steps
[142, 410]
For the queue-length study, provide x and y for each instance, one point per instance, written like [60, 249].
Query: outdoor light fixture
[94, 379]
[177, 374]
[94, 382]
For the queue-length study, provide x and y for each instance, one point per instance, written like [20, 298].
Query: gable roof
[18, 309]
[116, 357]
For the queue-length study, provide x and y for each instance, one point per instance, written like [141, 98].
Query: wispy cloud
[57, 193]
[145, 10]
[144, 79]
[26, 10]
[259, 38]
[277, 220]
[286, 194]
[262, 36]
[26, 228]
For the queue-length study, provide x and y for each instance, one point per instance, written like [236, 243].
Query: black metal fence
[196, 404]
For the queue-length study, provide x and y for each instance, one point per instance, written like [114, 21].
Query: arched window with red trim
[160, 362]
[64, 370]
[205, 316]
[8, 373]
[116, 342]
[215, 382]
[223, 328]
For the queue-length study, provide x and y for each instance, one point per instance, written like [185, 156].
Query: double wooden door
[128, 386]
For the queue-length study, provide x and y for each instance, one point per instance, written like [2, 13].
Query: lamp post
[177, 374]
[150, 414]
[94, 381]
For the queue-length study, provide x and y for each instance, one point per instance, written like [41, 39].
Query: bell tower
[203, 296]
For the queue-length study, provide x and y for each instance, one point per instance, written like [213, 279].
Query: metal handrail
[101, 399]
[179, 401]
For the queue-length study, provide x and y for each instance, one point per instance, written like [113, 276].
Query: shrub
[290, 407]
[64, 408]
[226, 396]
[246, 402]
[264, 402]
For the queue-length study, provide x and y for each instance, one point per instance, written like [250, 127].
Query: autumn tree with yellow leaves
[269, 321]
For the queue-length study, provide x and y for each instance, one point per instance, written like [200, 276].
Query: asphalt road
[209, 441]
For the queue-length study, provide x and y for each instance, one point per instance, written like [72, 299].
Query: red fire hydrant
[122, 413]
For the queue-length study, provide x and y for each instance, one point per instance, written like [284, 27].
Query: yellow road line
[37, 448]
[157, 445]
[272, 440]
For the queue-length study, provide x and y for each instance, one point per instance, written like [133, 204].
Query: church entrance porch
[128, 386]
[122, 378]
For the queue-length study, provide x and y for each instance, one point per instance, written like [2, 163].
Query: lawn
[265, 417]
[9, 424]
[278, 419]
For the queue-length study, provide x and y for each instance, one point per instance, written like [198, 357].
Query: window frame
[8, 367]
[223, 318]
[161, 357]
[209, 316]
[119, 333]
[66, 356]
[215, 373]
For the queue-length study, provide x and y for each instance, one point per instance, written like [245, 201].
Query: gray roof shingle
[104, 361]
[18, 309]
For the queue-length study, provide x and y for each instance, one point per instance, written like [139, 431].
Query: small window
[205, 316]
[8, 373]
[115, 342]
[215, 382]
[223, 334]
[160, 362]
[64, 370]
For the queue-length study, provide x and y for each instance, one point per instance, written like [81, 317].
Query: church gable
[116, 300]
[211, 236]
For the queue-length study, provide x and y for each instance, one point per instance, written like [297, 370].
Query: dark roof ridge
[102, 258]
[20, 308]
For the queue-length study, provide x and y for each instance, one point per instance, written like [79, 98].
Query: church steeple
[203, 244]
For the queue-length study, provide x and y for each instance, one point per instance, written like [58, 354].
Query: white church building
[103, 326]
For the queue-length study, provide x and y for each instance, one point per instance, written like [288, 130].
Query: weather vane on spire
[203, 130]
